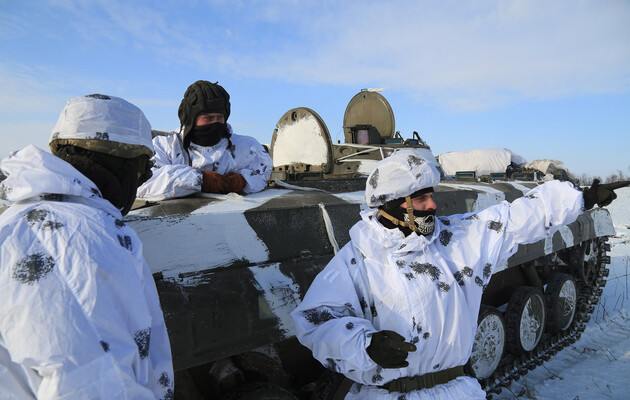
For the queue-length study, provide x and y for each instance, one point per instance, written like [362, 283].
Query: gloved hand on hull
[389, 349]
[602, 195]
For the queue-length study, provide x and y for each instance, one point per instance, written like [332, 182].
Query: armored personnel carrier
[230, 269]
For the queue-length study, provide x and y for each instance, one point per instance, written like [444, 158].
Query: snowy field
[598, 365]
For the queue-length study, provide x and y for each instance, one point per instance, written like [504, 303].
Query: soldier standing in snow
[396, 309]
[79, 312]
[205, 155]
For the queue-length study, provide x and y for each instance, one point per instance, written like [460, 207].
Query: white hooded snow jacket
[80, 316]
[426, 289]
[174, 175]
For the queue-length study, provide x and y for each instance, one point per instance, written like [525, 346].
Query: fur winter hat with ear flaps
[397, 176]
[202, 97]
[104, 124]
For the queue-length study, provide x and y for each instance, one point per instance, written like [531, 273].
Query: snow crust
[301, 142]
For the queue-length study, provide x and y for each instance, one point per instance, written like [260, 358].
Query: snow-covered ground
[598, 365]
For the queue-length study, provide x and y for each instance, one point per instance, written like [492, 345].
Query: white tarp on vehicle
[482, 161]
[547, 166]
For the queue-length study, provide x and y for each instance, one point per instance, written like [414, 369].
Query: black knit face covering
[209, 135]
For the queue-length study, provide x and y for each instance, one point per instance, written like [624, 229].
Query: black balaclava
[203, 97]
[424, 220]
[115, 177]
[208, 135]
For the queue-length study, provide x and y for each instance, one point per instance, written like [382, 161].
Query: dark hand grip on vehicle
[602, 195]
[389, 349]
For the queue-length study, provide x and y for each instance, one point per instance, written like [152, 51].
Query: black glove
[389, 350]
[603, 195]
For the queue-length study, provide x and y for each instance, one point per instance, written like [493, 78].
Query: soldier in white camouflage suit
[396, 309]
[80, 316]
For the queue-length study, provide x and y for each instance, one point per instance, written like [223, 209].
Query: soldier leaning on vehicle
[79, 311]
[396, 309]
[205, 155]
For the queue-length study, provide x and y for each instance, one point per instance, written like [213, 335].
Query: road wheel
[525, 319]
[561, 297]
[489, 342]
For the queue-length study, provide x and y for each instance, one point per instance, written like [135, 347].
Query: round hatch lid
[302, 138]
[369, 108]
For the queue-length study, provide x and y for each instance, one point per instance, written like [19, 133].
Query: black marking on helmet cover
[377, 377]
[105, 346]
[478, 281]
[55, 136]
[401, 397]
[472, 217]
[51, 225]
[374, 179]
[125, 241]
[436, 366]
[143, 341]
[34, 216]
[353, 261]
[32, 268]
[331, 365]
[401, 263]
[53, 197]
[426, 335]
[318, 316]
[531, 196]
[445, 221]
[487, 271]
[119, 223]
[349, 326]
[402, 246]
[164, 380]
[98, 96]
[495, 226]
[445, 237]
[415, 160]
[101, 136]
[444, 287]
[426, 269]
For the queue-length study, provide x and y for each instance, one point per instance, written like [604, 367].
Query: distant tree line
[586, 179]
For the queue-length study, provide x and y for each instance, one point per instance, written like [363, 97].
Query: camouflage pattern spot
[119, 223]
[99, 96]
[143, 341]
[51, 225]
[459, 277]
[414, 340]
[374, 179]
[444, 287]
[105, 346]
[125, 241]
[409, 275]
[169, 395]
[402, 246]
[467, 271]
[199, 180]
[331, 365]
[377, 377]
[415, 160]
[32, 268]
[255, 172]
[101, 136]
[232, 150]
[400, 264]
[445, 221]
[401, 397]
[34, 216]
[55, 136]
[478, 281]
[472, 217]
[53, 197]
[353, 261]
[431, 271]
[436, 366]
[495, 226]
[426, 335]
[487, 271]
[350, 308]
[363, 303]
[445, 237]
[373, 310]
[531, 196]
[349, 326]
[164, 380]
[318, 316]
